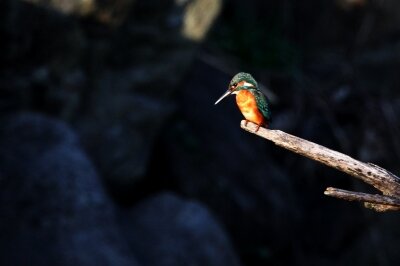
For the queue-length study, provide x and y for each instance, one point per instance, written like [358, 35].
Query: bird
[252, 103]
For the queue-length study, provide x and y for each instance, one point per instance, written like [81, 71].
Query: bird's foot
[245, 123]
[258, 127]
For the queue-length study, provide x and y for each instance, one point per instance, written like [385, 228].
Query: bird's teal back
[262, 104]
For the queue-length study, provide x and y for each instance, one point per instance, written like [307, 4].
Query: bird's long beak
[227, 93]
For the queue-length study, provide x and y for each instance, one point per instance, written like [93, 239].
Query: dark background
[113, 153]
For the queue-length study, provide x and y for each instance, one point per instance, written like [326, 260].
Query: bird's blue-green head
[241, 81]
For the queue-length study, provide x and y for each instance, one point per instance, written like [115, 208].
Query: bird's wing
[263, 105]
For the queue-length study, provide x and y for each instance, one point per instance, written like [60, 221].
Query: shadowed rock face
[132, 96]
[109, 67]
[53, 208]
[173, 231]
[111, 12]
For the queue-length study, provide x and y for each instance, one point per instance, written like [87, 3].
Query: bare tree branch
[377, 202]
[379, 178]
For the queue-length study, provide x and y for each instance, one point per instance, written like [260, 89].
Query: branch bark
[379, 178]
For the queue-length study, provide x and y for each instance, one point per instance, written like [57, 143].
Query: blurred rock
[133, 95]
[120, 134]
[54, 210]
[40, 60]
[173, 231]
[199, 16]
[112, 12]
[350, 4]
[115, 84]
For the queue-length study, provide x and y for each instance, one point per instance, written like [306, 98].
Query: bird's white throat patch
[248, 84]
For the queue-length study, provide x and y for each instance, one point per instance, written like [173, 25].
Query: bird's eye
[235, 84]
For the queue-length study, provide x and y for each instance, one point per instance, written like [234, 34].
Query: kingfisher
[253, 104]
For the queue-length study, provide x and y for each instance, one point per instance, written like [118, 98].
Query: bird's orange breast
[248, 106]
